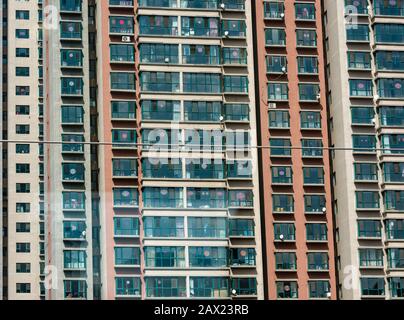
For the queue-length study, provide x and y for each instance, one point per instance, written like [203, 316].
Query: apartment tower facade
[365, 41]
[295, 191]
[179, 208]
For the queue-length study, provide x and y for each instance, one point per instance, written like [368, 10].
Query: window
[22, 52]
[123, 109]
[126, 226]
[231, 55]
[155, 168]
[70, 30]
[75, 289]
[165, 287]
[158, 25]
[160, 81]
[163, 227]
[73, 200]
[125, 197]
[389, 60]
[22, 148]
[319, 289]
[202, 111]
[396, 286]
[72, 86]
[359, 60]
[307, 65]
[22, 110]
[276, 64]
[244, 286]
[316, 232]
[371, 257]
[365, 171]
[23, 187]
[306, 38]
[240, 199]
[234, 28]
[391, 116]
[22, 33]
[392, 143]
[155, 197]
[241, 228]
[282, 203]
[312, 148]
[22, 247]
[74, 230]
[390, 88]
[285, 261]
[275, 37]
[127, 286]
[123, 53]
[71, 58]
[72, 172]
[362, 115]
[317, 261]
[22, 168]
[394, 200]
[123, 81]
[236, 112]
[23, 288]
[282, 175]
[23, 227]
[274, 10]
[309, 92]
[121, 25]
[124, 167]
[74, 259]
[206, 227]
[367, 200]
[310, 120]
[361, 6]
[313, 175]
[389, 33]
[286, 290]
[165, 257]
[279, 119]
[235, 84]
[209, 287]
[22, 90]
[23, 207]
[23, 268]
[393, 171]
[121, 137]
[22, 71]
[200, 27]
[280, 147]
[125, 256]
[305, 11]
[358, 34]
[363, 143]
[372, 286]
[314, 204]
[205, 169]
[202, 82]
[158, 53]
[72, 147]
[208, 257]
[369, 229]
[278, 91]
[206, 198]
[72, 114]
[239, 169]
[284, 231]
[70, 5]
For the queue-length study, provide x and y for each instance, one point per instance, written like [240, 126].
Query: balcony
[372, 287]
[363, 116]
[121, 25]
[305, 12]
[124, 168]
[280, 147]
[314, 204]
[244, 287]
[393, 172]
[357, 34]
[391, 116]
[309, 93]
[211, 171]
[234, 56]
[70, 6]
[206, 227]
[72, 115]
[239, 170]
[369, 229]
[73, 172]
[159, 81]
[163, 227]
[126, 227]
[123, 81]
[163, 198]
[128, 287]
[359, 61]
[71, 143]
[389, 61]
[123, 110]
[74, 260]
[234, 28]
[127, 257]
[125, 198]
[306, 38]
[122, 53]
[71, 58]
[236, 112]
[240, 199]
[319, 289]
[286, 290]
[392, 144]
[395, 259]
[386, 8]
[199, 4]
[317, 262]
[275, 37]
[389, 33]
[200, 27]
[276, 64]
[371, 258]
[312, 148]
[158, 26]
[122, 3]
[310, 120]
[206, 198]
[158, 3]
[241, 228]
[367, 200]
[209, 287]
[282, 175]
[285, 261]
[202, 111]
[164, 257]
[307, 65]
[166, 287]
[70, 31]
[279, 119]
[200, 54]
[358, 7]
[363, 144]
[316, 232]
[158, 53]
[284, 232]
[74, 230]
[394, 200]
[75, 289]
[313, 176]
[242, 257]
[365, 172]
[394, 230]
[274, 10]
[73, 201]
[124, 139]
[72, 87]
[282, 204]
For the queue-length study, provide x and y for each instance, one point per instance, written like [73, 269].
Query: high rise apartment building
[295, 173]
[365, 66]
[179, 208]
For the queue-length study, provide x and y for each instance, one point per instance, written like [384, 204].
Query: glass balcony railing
[369, 229]
[393, 172]
[158, 25]
[209, 287]
[75, 289]
[73, 200]
[121, 3]
[388, 8]
[70, 30]
[128, 286]
[74, 230]
[395, 229]
[244, 286]
[70, 5]
[158, 3]
[284, 231]
[126, 227]
[314, 204]
[166, 287]
[121, 25]
[316, 232]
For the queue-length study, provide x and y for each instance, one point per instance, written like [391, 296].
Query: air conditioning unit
[125, 39]
[272, 105]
